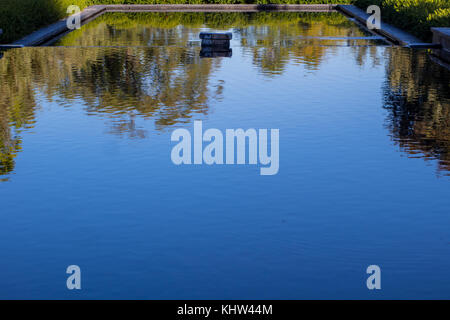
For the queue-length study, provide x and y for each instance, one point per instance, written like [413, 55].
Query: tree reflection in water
[148, 71]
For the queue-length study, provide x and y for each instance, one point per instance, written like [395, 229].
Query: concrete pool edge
[441, 36]
[47, 33]
[220, 7]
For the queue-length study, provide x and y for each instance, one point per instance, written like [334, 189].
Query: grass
[20, 17]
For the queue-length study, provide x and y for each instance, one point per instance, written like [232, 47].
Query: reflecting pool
[86, 176]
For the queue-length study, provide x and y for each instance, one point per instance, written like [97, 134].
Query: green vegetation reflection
[168, 82]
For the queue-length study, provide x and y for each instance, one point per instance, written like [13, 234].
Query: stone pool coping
[45, 34]
[394, 34]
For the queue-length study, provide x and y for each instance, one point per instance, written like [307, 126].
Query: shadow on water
[168, 81]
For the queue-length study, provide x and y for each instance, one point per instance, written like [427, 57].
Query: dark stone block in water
[206, 53]
[216, 36]
[215, 43]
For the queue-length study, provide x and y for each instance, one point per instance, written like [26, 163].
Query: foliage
[414, 16]
[166, 81]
